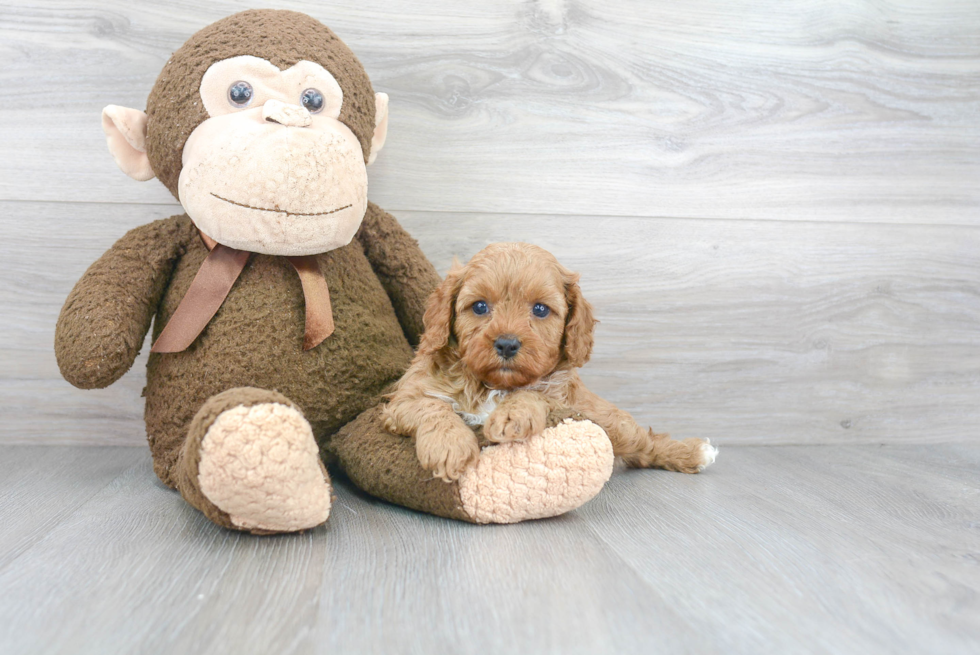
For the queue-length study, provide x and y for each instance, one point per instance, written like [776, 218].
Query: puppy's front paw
[515, 422]
[447, 455]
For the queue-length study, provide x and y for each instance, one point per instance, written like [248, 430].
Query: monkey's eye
[240, 94]
[312, 100]
[540, 310]
[480, 307]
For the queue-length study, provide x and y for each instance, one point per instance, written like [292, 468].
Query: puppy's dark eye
[540, 310]
[480, 307]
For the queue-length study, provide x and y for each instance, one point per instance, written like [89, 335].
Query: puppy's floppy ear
[439, 309]
[579, 324]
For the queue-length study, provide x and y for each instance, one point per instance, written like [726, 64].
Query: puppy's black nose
[507, 345]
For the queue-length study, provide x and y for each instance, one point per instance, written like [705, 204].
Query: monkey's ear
[125, 131]
[380, 125]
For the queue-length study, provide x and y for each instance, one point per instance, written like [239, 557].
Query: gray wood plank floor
[804, 549]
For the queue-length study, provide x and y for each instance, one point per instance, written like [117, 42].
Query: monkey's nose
[277, 111]
[507, 346]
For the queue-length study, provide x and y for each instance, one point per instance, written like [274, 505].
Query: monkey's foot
[548, 474]
[257, 463]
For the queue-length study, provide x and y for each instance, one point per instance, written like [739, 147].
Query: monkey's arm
[405, 273]
[108, 313]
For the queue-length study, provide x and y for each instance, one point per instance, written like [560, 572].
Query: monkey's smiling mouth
[281, 211]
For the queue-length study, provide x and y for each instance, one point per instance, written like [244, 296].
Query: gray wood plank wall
[775, 206]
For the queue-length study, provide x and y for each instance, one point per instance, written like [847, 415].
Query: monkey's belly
[256, 339]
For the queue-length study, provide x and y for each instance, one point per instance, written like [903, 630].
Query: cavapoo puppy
[503, 338]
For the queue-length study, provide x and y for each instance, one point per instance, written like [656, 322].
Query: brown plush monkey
[283, 303]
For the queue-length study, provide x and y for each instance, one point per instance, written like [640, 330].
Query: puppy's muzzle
[507, 346]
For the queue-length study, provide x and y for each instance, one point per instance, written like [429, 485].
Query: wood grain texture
[802, 110]
[826, 549]
[819, 550]
[741, 331]
[41, 487]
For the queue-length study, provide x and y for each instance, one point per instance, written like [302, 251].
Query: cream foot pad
[549, 474]
[261, 465]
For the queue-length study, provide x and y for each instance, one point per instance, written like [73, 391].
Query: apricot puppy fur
[503, 338]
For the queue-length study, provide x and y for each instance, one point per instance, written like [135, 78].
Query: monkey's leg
[550, 473]
[250, 462]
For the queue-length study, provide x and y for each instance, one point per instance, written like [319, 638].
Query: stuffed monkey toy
[283, 303]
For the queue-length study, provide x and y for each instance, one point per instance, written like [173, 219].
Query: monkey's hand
[108, 313]
[447, 453]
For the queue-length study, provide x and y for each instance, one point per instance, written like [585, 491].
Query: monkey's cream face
[273, 170]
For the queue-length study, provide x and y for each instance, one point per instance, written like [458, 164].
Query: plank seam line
[396, 210]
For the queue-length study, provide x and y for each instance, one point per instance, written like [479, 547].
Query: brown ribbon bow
[214, 281]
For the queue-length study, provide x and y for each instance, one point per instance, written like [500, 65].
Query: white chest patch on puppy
[481, 415]
[473, 419]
